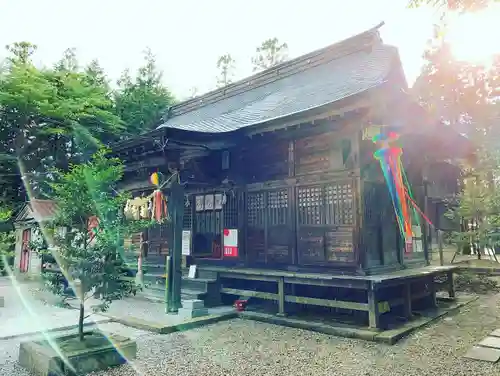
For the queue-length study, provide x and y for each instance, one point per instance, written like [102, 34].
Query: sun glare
[474, 37]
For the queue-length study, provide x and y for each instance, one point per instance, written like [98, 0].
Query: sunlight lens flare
[473, 36]
[71, 282]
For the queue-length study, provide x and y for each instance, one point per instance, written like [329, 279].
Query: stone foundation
[41, 359]
[192, 308]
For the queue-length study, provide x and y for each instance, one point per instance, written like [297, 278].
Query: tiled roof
[43, 209]
[321, 77]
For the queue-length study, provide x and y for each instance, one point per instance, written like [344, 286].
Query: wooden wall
[296, 200]
[381, 241]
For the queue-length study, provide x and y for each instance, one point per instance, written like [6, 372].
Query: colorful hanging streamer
[160, 210]
[159, 204]
[389, 157]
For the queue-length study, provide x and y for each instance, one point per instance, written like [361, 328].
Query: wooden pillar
[407, 301]
[432, 291]
[424, 226]
[177, 212]
[168, 283]
[281, 297]
[373, 311]
[139, 278]
[440, 247]
[451, 284]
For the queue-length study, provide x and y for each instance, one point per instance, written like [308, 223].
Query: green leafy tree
[90, 259]
[21, 52]
[49, 117]
[465, 96]
[142, 101]
[7, 240]
[459, 93]
[226, 67]
[270, 53]
[7, 248]
[69, 61]
[96, 76]
[478, 209]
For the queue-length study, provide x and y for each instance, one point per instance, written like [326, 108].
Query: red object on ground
[240, 305]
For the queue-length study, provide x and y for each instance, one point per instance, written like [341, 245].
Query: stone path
[23, 314]
[488, 350]
[134, 309]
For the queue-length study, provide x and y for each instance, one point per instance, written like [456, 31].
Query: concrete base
[139, 278]
[385, 336]
[189, 313]
[166, 328]
[193, 304]
[40, 358]
[192, 308]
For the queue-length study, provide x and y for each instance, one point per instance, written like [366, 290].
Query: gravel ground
[240, 347]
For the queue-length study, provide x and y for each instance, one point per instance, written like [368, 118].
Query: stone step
[204, 288]
[158, 295]
[202, 284]
[160, 290]
[206, 274]
[198, 283]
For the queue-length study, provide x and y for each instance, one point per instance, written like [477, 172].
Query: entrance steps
[205, 289]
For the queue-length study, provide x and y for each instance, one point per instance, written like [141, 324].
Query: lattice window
[187, 219]
[231, 210]
[277, 205]
[310, 203]
[339, 204]
[255, 209]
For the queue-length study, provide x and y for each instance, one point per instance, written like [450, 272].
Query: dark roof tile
[43, 209]
[325, 76]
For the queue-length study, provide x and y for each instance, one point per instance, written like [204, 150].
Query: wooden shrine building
[284, 199]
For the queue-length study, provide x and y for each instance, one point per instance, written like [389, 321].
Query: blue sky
[188, 36]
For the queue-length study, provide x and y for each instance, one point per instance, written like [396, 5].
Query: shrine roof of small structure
[38, 210]
[331, 74]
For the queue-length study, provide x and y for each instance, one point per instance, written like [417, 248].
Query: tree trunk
[80, 321]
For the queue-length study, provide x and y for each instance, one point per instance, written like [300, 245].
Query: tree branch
[86, 317]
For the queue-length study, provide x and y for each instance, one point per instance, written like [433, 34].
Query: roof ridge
[334, 51]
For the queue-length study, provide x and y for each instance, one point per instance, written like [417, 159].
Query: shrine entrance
[206, 215]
